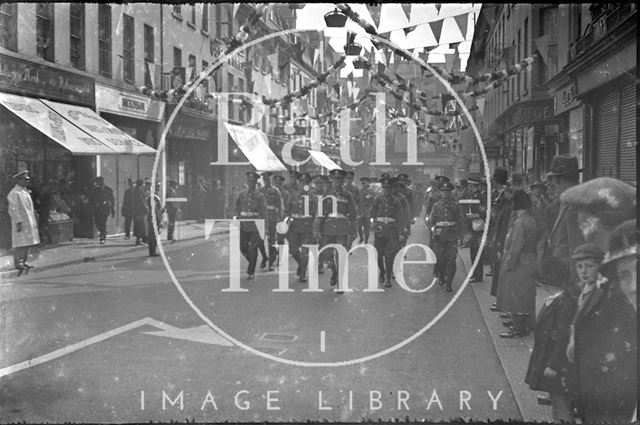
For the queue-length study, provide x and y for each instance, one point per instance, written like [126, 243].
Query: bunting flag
[236, 6]
[407, 10]
[407, 30]
[436, 27]
[462, 21]
[541, 44]
[438, 6]
[374, 11]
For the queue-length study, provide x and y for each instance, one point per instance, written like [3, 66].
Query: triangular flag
[462, 21]
[375, 14]
[438, 6]
[436, 27]
[407, 30]
[542, 46]
[236, 6]
[407, 10]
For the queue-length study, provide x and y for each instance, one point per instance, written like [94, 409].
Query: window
[518, 60]
[45, 31]
[192, 68]
[223, 27]
[205, 82]
[230, 89]
[526, 54]
[205, 17]
[76, 34]
[104, 40]
[9, 26]
[177, 57]
[149, 55]
[128, 49]
[193, 15]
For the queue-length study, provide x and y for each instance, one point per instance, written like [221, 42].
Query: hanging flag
[407, 30]
[541, 44]
[445, 97]
[407, 10]
[462, 21]
[374, 10]
[438, 6]
[236, 6]
[436, 27]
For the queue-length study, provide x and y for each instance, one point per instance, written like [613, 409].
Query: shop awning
[254, 145]
[101, 129]
[321, 159]
[53, 125]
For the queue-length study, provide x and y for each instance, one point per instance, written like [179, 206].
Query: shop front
[141, 118]
[191, 146]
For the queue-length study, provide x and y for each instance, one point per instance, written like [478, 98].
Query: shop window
[76, 35]
[104, 40]
[9, 26]
[205, 17]
[128, 49]
[45, 31]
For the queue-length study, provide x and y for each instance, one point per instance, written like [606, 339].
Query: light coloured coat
[21, 211]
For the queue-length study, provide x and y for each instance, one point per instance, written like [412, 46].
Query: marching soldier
[355, 194]
[367, 197]
[321, 187]
[334, 228]
[300, 211]
[404, 181]
[273, 199]
[477, 218]
[435, 195]
[396, 189]
[250, 204]
[448, 223]
[278, 182]
[387, 218]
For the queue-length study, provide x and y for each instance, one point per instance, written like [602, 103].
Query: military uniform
[273, 198]
[406, 216]
[477, 221]
[448, 223]
[300, 215]
[367, 197]
[335, 228]
[285, 192]
[355, 194]
[390, 233]
[250, 204]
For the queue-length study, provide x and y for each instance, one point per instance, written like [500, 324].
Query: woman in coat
[24, 225]
[517, 288]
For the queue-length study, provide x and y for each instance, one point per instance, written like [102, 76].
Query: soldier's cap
[387, 181]
[252, 175]
[611, 200]
[403, 176]
[442, 179]
[384, 176]
[473, 180]
[99, 179]
[20, 173]
[397, 182]
[337, 173]
[588, 250]
[267, 174]
[147, 182]
[448, 186]
[305, 177]
[279, 178]
[349, 174]
[622, 243]
[365, 179]
[374, 180]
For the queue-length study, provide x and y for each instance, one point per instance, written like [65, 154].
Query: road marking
[147, 321]
[202, 334]
[322, 342]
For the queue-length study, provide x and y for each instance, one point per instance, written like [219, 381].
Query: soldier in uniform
[153, 203]
[321, 185]
[103, 204]
[274, 202]
[278, 183]
[435, 194]
[387, 218]
[396, 189]
[477, 221]
[404, 181]
[367, 196]
[448, 223]
[355, 194]
[335, 228]
[250, 204]
[300, 211]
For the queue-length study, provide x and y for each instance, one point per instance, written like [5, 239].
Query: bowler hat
[564, 164]
[500, 175]
[622, 243]
[337, 173]
[588, 250]
[448, 186]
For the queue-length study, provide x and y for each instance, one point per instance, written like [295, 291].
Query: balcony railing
[602, 27]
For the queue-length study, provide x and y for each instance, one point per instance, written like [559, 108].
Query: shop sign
[622, 61]
[182, 130]
[235, 61]
[33, 79]
[566, 98]
[117, 102]
[528, 114]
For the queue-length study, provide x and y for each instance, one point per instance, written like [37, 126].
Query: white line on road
[322, 343]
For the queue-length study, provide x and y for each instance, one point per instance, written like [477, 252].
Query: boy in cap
[103, 204]
[250, 204]
[24, 225]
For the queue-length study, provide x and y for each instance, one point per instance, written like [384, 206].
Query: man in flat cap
[300, 212]
[24, 225]
[355, 194]
[250, 204]
[103, 204]
[367, 196]
[334, 228]
[449, 224]
[274, 201]
[387, 218]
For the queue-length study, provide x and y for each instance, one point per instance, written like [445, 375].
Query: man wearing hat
[334, 228]
[273, 198]
[172, 209]
[250, 204]
[367, 196]
[477, 221]
[139, 211]
[434, 196]
[449, 224]
[501, 209]
[387, 218]
[153, 204]
[300, 212]
[404, 181]
[103, 204]
[397, 189]
[24, 225]
[320, 188]
[355, 194]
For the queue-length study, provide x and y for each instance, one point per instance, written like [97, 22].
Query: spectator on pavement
[103, 204]
[127, 209]
[139, 213]
[153, 205]
[172, 209]
[219, 202]
[24, 225]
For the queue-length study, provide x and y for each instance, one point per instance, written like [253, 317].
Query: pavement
[511, 355]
